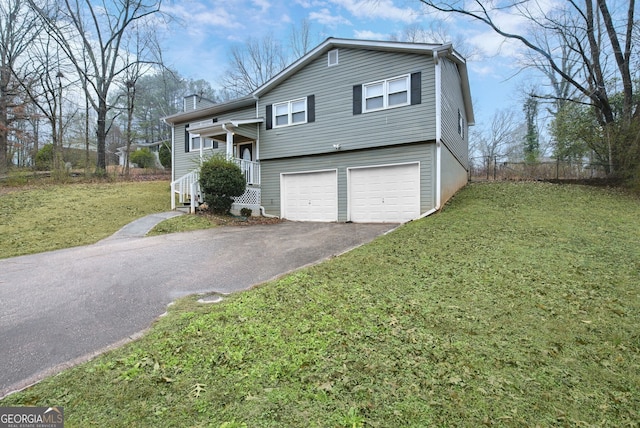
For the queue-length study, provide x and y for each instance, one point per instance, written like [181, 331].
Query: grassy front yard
[50, 217]
[518, 305]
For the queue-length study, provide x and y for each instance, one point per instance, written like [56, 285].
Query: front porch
[185, 191]
[241, 145]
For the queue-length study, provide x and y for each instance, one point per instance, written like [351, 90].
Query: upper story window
[387, 93]
[333, 57]
[290, 113]
[460, 124]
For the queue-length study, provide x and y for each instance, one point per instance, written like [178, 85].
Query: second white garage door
[384, 194]
[310, 196]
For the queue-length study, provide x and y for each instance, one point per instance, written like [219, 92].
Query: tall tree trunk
[101, 137]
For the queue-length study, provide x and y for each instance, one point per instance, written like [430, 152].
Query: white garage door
[310, 196]
[384, 194]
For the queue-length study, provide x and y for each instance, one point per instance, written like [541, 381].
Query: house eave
[335, 43]
[442, 50]
[208, 128]
[211, 110]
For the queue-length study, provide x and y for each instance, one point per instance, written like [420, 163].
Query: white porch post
[229, 144]
[229, 141]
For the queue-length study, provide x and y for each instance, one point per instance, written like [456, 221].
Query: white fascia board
[334, 43]
[461, 63]
[210, 110]
[237, 123]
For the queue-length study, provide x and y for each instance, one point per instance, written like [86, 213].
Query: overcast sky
[198, 48]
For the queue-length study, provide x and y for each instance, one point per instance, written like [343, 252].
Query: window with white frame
[387, 93]
[290, 113]
[195, 141]
[333, 57]
[460, 124]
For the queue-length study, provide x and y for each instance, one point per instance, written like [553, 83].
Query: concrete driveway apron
[63, 307]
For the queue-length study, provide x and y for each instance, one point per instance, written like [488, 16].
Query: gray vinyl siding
[453, 175]
[335, 122]
[423, 153]
[452, 102]
[194, 102]
[187, 162]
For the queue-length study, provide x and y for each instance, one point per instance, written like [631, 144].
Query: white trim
[438, 174]
[386, 165]
[438, 83]
[173, 155]
[283, 212]
[290, 112]
[202, 143]
[386, 92]
[333, 43]
[336, 60]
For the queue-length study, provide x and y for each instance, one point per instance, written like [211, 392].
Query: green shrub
[165, 155]
[144, 158]
[44, 158]
[221, 180]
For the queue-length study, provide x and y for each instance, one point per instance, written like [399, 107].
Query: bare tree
[436, 33]
[95, 32]
[301, 40]
[18, 29]
[500, 140]
[253, 64]
[44, 81]
[601, 46]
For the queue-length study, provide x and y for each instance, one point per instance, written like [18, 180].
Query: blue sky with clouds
[198, 43]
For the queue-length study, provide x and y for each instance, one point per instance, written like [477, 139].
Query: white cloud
[197, 15]
[307, 4]
[325, 17]
[370, 35]
[264, 5]
[380, 9]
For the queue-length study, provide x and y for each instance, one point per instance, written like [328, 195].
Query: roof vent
[333, 57]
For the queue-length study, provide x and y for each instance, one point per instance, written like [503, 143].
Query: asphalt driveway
[63, 307]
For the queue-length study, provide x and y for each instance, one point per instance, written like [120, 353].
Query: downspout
[258, 129]
[262, 209]
[438, 85]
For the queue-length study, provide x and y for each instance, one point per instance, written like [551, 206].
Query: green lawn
[517, 306]
[50, 217]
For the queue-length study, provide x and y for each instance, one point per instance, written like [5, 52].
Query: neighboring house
[121, 152]
[355, 130]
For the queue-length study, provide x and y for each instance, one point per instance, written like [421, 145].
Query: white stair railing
[188, 189]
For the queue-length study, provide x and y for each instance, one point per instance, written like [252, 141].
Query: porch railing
[250, 169]
[188, 189]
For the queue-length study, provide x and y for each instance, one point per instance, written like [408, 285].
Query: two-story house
[361, 131]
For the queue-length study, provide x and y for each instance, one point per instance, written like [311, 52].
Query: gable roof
[432, 49]
[437, 50]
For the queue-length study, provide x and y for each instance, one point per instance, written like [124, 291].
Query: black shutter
[186, 140]
[269, 117]
[357, 99]
[416, 88]
[311, 108]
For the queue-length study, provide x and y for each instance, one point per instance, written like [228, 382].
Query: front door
[245, 151]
